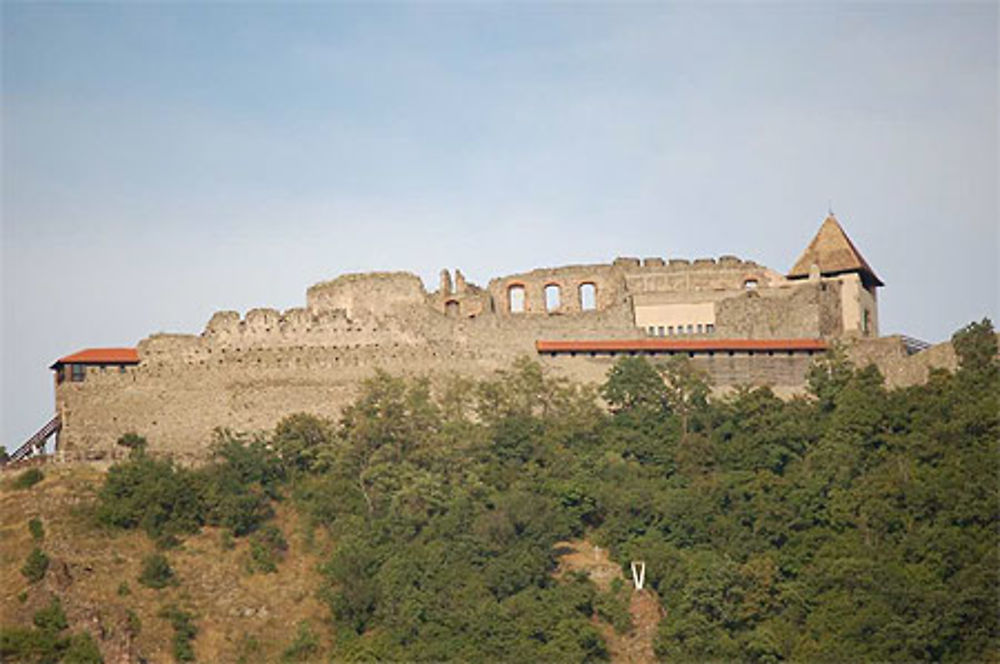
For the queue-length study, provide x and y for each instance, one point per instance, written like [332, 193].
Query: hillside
[493, 521]
[94, 570]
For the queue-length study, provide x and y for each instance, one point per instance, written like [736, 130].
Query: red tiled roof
[100, 356]
[683, 345]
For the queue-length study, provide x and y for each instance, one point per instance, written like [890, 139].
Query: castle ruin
[741, 322]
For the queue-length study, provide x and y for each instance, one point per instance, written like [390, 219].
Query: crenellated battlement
[247, 371]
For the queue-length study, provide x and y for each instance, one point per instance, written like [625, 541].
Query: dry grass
[238, 614]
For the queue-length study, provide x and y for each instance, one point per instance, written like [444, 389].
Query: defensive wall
[740, 322]
[247, 372]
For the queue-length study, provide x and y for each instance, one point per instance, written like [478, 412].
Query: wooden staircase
[37, 442]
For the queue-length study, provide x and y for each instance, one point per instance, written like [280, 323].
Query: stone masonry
[247, 372]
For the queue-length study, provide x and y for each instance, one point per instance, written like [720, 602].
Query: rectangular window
[690, 329]
[659, 331]
[77, 372]
[670, 330]
[710, 328]
[121, 368]
[701, 328]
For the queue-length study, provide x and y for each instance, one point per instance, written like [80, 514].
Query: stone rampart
[247, 372]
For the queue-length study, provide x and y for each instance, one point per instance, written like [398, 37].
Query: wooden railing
[37, 441]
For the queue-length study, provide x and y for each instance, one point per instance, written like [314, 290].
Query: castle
[741, 322]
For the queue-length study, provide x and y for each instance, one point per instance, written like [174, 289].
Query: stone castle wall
[247, 372]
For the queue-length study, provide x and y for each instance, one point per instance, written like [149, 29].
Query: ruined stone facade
[247, 372]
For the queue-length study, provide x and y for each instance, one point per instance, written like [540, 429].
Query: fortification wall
[679, 275]
[247, 372]
[806, 309]
[899, 368]
[784, 372]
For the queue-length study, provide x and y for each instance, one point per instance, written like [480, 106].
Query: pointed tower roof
[834, 253]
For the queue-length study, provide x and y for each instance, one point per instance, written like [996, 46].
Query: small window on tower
[77, 372]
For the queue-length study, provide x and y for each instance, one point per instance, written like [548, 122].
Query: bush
[82, 650]
[184, 632]
[133, 622]
[44, 644]
[613, 607]
[28, 479]
[156, 572]
[123, 589]
[52, 618]
[35, 566]
[36, 529]
[20, 644]
[304, 648]
[152, 495]
[267, 547]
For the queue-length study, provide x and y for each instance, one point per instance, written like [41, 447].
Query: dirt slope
[636, 646]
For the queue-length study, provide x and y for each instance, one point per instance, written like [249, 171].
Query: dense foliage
[855, 524]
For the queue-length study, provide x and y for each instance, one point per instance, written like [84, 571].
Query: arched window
[750, 284]
[451, 308]
[588, 296]
[515, 299]
[552, 297]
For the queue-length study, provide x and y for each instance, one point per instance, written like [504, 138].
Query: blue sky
[164, 161]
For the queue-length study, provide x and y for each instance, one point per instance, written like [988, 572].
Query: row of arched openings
[586, 292]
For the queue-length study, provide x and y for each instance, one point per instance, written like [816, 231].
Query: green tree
[633, 384]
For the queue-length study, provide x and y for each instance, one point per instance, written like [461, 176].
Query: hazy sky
[164, 161]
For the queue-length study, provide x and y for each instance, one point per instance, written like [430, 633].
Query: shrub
[35, 566]
[613, 607]
[36, 529]
[44, 643]
[267, 547]
[156, 571]
[52, 618]
[28, 478]
[133, 623]
[82, 650]
[20, 644]
[184, 632]
[304, 648]
[123, 589]
[153, 495]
